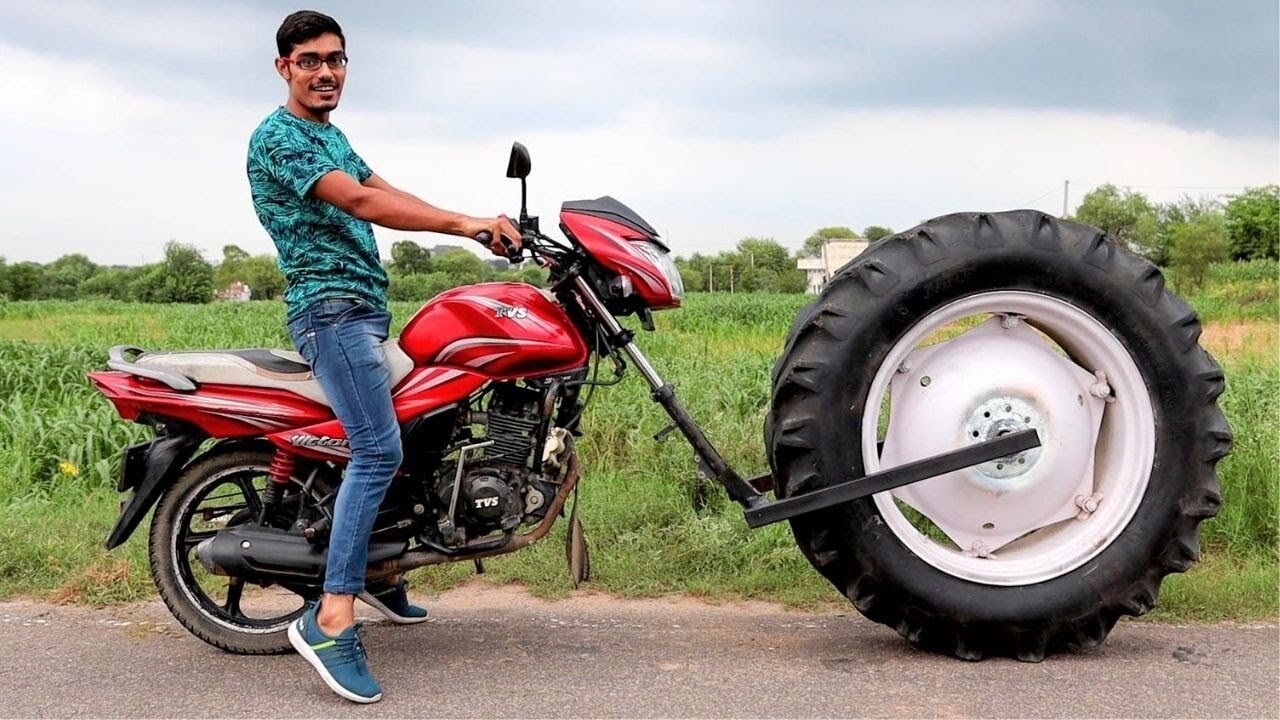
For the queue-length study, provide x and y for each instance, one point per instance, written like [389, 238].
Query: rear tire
[833, 364]
[193, 595]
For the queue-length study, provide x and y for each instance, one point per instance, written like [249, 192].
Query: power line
[1047, 193]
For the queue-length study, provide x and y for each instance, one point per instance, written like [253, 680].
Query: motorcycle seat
[261, 367]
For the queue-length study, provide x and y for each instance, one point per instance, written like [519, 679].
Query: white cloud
[93, 165]
[165, 27]
[894, 167]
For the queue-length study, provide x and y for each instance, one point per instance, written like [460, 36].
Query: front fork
[758, 510]
[665, 395]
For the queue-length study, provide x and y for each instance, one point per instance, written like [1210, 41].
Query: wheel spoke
[195, 538]
[250, 494]
[239, 492]
[235, 587]
[213, 513]
[226, 499]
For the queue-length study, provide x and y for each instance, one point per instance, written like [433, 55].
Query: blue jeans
[342, 341]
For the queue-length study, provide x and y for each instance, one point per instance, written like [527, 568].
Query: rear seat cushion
[262, 367]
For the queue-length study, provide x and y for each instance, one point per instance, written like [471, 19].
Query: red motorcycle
[995, 433]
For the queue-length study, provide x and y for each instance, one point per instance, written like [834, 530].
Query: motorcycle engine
[498, 490]
[487, 500]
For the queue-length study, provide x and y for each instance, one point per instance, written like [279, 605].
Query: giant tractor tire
[972, 326]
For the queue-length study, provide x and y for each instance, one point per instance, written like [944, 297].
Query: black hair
[305, 25]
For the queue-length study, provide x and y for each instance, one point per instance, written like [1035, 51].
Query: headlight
[661, 260]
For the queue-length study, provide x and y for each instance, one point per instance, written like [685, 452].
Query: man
[316, 198]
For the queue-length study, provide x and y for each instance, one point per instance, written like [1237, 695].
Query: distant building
[235, 292]
[438, 250]
[833, 255]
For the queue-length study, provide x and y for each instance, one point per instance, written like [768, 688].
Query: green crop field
[60, 444]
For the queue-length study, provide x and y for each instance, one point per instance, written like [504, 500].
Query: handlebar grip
[514, 255]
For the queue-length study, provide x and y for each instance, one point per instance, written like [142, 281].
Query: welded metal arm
[894, 477]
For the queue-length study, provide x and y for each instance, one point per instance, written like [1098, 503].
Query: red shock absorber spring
[282, 466]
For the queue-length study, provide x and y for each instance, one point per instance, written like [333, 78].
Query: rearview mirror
[519, 164]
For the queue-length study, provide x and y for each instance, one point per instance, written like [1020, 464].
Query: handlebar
[514, 254]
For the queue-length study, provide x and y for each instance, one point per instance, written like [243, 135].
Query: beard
[322, 105]
[322, 102]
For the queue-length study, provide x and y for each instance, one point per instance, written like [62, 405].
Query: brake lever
[515, 255]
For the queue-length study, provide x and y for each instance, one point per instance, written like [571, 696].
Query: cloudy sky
[124, 124]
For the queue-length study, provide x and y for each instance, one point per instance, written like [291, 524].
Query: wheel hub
[996, 418]
[996, 379]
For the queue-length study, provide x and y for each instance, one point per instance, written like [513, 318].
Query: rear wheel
[220, 489]
[966, 328]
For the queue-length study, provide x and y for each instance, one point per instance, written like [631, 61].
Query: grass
[1240, 291]
[60, 444]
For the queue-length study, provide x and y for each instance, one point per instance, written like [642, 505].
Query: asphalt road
[498, 653]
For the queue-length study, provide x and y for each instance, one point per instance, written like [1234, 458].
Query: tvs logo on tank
[517, 313]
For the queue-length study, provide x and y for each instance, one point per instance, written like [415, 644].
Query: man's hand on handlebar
[499, 234]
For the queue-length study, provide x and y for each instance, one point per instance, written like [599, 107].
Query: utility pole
[1066, 185]
[711, 282]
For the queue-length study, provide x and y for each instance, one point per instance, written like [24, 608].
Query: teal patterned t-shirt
[324, 252]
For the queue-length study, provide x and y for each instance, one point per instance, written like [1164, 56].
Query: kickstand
[575, 547]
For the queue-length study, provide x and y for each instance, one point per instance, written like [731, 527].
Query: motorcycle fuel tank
[501, 330]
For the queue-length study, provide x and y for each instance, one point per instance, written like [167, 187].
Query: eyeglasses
[310, 61]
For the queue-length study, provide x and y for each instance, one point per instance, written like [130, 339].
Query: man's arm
[376, 181]
[377, 202]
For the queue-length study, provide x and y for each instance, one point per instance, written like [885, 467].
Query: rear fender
[148, 470]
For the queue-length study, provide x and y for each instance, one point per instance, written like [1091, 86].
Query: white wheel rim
[1123, 455]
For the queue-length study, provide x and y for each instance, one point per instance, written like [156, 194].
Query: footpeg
[317, 531]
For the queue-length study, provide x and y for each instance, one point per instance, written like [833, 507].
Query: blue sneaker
[341, 660]
[393, 601]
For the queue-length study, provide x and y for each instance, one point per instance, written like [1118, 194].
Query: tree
[1174, 215]
[756, 265]
[64, 276]
[410, 258]
[25, 280]
[693, 279]
[763, 254]
[233, 253]
[874, 232]
[1128, 217]
[1253, 223]
[231, 268]
[4, 280]
[532, 274]
[183, 276]
[419, 288]
[759, 279]
[763, 265]
[792, 282]
[1188, 209]
[462, 267]
[408, 288]
[1194, 246]
[114, 283]
[813, 244]
[262, 274]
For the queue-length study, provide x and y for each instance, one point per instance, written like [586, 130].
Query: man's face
[318, 89]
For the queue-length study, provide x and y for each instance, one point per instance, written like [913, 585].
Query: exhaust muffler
[270, 555]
